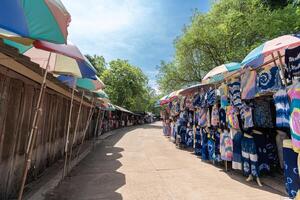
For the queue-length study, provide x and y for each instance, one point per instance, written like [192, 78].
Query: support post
[33, 131]
[68, 132]
[281, 68]
[96, 128]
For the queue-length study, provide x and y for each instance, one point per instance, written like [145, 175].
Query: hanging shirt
[294, 95]
[215, 116]
[222, 116]
[202, 117]
[269, 80]
[211, 96]
[262, 115]
[248, 84]
[282, 105]
[232, 119]
[292, 61]
[224, 95]
[235, 93]
[246, 115]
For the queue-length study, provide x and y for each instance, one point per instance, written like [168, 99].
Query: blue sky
[141, 31]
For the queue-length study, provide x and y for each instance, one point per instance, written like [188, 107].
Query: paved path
[141, 164]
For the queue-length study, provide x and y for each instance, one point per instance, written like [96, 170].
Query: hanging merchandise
[248, 84]
[198, 146]
[237, 149]
[235, 93]
[292, 61]
[281, 135]
[224, 95]
[208, 118]
[203, 117]
[294, 95]
[211, 149]
[249, 156]
[246, 115]
[215, 120]
[197, 101]
[282, 105]
[222, 117]
[262, 116]
[189, 102]
[211, 96]
[216, 137]
[204, 140]
[226, 146]
[268, 80]
[291, 171]
[232, 119]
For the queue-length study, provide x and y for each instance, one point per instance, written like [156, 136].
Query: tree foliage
[127, 86]
[98, 62]
[225, 34]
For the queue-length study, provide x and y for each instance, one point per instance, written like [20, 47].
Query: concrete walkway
[140, 164]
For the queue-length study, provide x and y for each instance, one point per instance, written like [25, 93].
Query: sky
[141, 31]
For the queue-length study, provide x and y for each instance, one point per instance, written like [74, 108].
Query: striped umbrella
[265, 51]
[84, 83]
[39, 19]
[217, 73]
[62, 59]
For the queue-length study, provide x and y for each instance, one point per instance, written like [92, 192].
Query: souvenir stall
[247, 115]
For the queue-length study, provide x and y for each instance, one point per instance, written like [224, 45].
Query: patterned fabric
[211, 96]
[263, 159]
[291, 171]
[248, 84]
[249, 157]
[269, 80]
[204, 140]
[235, 93]
[294, 94]
[282, 105]
[222, 117]
[262, 113]
[198, 146]
[237, 149]
[215, 120]
[292, 61]
[224, 101]
[216, 137]
[232, 119]
[189, 142]
[203, 117]
[226, 146]
[211, 149]
[246, 115]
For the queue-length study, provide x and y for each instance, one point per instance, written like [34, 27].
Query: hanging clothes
[262, 114]
[263, 164]
[237, 149]
[204, 140]
[215, 120]
[203, 117]
[189, 142]
[292, 61]
[249, 157]
[211, 148]
[281, 135]
[224, 95]
[198, 146]
[226, 146]
[235, 93]
[248, 84]
[294, 95]
[211, 96]
[232, 118]
[246, 116]
[282, 105]
[222, 117]
[291, 171]
[268, 80]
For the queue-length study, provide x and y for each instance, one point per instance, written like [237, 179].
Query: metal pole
[87, 126]
[68, 131]
[75, 131]
[33, 131]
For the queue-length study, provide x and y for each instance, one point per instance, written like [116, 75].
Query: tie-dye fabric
[248, 84]
[294, 94]
[215, 120]
[282, 105]
[246, 115]
[232, 119]
[268, 80]
[235, 93]
[226, 146]
[211, 96]
[202, 117]
[292, 61]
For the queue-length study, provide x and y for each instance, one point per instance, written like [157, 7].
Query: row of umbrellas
[264, 53]
[39, 30]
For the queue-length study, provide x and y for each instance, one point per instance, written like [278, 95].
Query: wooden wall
[18, 96]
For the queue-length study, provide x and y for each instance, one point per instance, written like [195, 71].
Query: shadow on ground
[95, 177]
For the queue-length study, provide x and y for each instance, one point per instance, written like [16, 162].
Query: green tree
[98, 62]
[225, 34]
[127, 86]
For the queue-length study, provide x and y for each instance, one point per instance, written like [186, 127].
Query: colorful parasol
[39, 20]
[84, 83]
[263, 53]
[217, 73]
[62, 59]
[101, 94]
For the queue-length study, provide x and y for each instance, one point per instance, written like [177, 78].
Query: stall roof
[194, 88]
[124, 110]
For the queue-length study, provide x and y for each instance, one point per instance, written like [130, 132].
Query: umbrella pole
[87, 126]
[68, 131]
[96, 128]
[33, 131]
[281, 68]
[75, 131]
